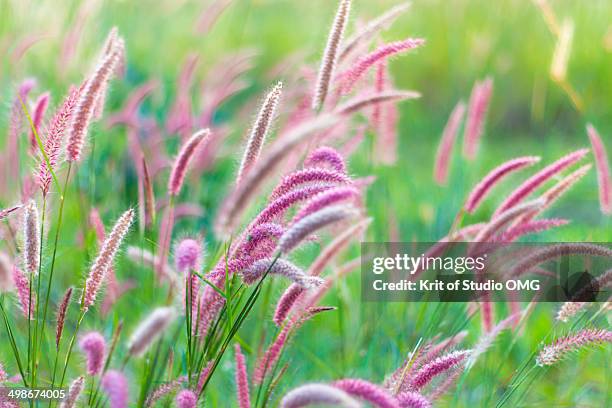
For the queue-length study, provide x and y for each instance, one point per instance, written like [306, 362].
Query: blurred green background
[466, 41]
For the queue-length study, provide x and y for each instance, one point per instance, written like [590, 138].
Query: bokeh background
[467, 40]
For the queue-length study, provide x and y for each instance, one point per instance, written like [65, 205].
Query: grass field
[263, 42]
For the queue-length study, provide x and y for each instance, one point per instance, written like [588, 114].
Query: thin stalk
[9, 332]
[56, 240]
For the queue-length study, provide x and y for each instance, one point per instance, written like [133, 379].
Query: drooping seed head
[326, 156]
[241, 379]
[150, 329]
[74, 392]
[535, 181]
[61, 316]
[94, 89]
[361, 102]
[94, 347]
[311, 223]
[279, 267]
[330, 55]
[360, 67]
[6, 276]
[482, 189]
[40, 107]
[318, 394]
[477, 111]
[556, 351]
[261, 127]
[105, 258]
[603, 171]
[186, 399]
[115, 384]
[182, 161]
[188, 255]
[411, 399]
[445, 148]
[31, 238]
[436, 367]
[367, 391]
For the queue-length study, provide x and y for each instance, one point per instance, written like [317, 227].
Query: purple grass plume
[31, 239]
[427, 372]
[360, 67]
[242, 382]
[495, 176]
[326, 157]
[365, 390]
[105, 258]
[318, 394]
[311, 223]
[556, 351]
[330, 55]
[94, 347]
[74, 392]
[62, 309]
[279, 267]
[477, 111]
[535, 181]
[94, 89]
[182, 161]
[409, 399]
[603, 170]
[115, 384]
[186, 399]
[188, 255]
[150, 329]
[38, 116]
[22, 284]
[445, 148]
[260, 130]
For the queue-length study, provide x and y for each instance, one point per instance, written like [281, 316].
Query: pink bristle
[495, 176]
[94, 347]
[242, 382]
[115, 384]
[445, 148]
[557, 350]
[367, 391]
[535, 181]
[330, 55]
[436, 367]
[186, 399]
[182, 161]
[603, 170]
[353, 74]
[326, 156]
[318, 394]
[477, 111]
[22, 284]
[38, 116]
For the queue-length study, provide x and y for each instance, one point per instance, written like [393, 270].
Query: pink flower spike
[94, 347]
[115, 385]
[477, 111]
[279, 267]
[532, 183]
[309, 176]
[438, 366]
[94, 89]
[181, 164]
[352, 75]
[367, 391]
[326, 156]
[326, 198]
[54, 139]
[410, 399]
[186, 399]
[268, 360]
[286, 302]
[74, 392]
[242, 382]
[40, 107]
[330, 55]
[318, 394]
[31, 239]
[105, 258]
[603, 170]
[556, 351]
[482, 189]
[445, 148]
[150, 329]
[22, 284]
[530, 227]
